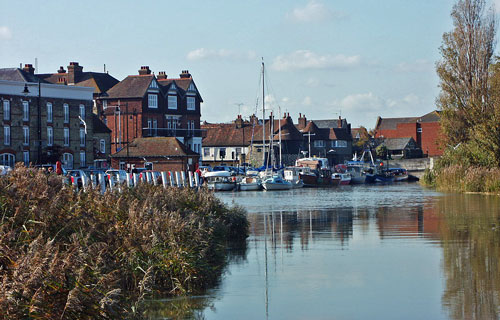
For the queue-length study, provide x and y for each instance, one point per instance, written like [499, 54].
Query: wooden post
[190, 175]
[196, 180]
[177, 179]
[164, 179]
[129, 180]
[183, 176]
[102, 181]
[136, 180]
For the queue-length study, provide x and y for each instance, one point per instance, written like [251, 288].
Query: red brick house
[425, 130]
[144, 105]
[156, 153]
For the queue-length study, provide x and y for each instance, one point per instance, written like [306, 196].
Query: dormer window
[191, 87]
[152, 101]
[154, 85]
[172, 102]
[191, 103]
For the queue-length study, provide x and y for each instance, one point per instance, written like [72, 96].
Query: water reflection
[386, 252]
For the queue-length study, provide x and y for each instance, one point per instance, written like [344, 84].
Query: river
[395, 251]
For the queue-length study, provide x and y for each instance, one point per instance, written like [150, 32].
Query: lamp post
[25, 92]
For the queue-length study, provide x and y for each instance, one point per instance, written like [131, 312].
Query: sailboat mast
[263, 119]
[279, 112]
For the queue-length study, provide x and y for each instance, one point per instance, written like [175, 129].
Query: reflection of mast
[265, 272]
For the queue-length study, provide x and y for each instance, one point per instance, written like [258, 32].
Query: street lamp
[26, 92]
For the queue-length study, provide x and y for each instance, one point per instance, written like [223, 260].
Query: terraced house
[44, 122]
[145, 105]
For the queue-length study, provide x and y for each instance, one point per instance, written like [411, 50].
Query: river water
[395, 251]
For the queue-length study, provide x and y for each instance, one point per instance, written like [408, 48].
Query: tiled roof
[102, 82]
[155, 147]
[330, 123]
[226, 134]
[181, 83]
[131, 87]
[397, 143]
[98, 125]
[433, 116]
[392, 123]
[16, 74]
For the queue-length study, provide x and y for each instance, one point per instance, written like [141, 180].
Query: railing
[174, 179]
[170, 132]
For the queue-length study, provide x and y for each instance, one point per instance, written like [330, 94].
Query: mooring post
[164, 179]
[190, 175]
[102, 182]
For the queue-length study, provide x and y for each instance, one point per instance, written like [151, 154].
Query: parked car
[4, 170]
[76, 176]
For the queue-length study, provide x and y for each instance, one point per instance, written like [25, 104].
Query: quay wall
[415, 167]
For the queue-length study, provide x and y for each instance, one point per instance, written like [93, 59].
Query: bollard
[148, 177]
[196, 180]
[183, 176]
[154, 176]
[111, 183]
[171, 177]
[84, 182]
[136, 179]
[164, 179]
[129, 180]
[190, 175]
[74, 181]
[177, 179]
[102, 181]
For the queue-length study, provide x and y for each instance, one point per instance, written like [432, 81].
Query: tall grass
[70, 255]
[461, 178]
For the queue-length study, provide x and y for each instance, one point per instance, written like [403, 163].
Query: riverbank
[464, 179]
[70, 255]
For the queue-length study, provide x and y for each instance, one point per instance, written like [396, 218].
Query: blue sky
[361, 58]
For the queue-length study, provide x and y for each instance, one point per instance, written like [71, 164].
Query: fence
[112, 182]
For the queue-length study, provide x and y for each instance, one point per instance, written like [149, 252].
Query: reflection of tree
[471, 246]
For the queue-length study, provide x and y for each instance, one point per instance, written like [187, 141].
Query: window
[150, 126]
[102, 146]
[238, 151]
[82, 137]
[191, 103]
[341, 144]
[66, 112]
[7, 159]
[319, 143]
[82, 159]
[26, 158]
[419, 130]
[172, 102]
[206, 152]
[171, 125]
[26, 135]
[104, 104]
[67, 161]
[82, 111]
[155, 127]
[6, 135]
[154, 85]
[152, 101]
[49, 112]
[191, 87]
[6, 110]
[50, 136]
[66, 137]
[26, 111]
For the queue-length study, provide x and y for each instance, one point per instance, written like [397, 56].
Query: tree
[467, 53]
[465, 73]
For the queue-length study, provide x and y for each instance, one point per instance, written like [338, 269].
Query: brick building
[156, 153]
[425, 130]
[101, 142]
[41, 121]
[144, 105]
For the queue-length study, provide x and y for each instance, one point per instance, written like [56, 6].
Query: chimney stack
[185, 74]
[74, 72]
[144, 71]
[161, 75]
[302, 121]
[61, 70]
[239, 122]
[339, 122]
[29, 68]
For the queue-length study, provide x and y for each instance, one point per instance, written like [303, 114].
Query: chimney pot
[29, 68]
[144, 70]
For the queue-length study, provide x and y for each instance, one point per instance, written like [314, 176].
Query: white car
[118, 175]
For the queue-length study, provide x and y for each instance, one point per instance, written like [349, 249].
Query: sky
[323, 58]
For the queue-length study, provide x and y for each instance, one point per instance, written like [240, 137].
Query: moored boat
[345, 178]
[276, 183]
[400, 174]
[250, 184]
[220, 181]
[292, 174]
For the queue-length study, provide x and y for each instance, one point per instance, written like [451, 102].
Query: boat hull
[221, 186]
[250, 186]
[276, 186]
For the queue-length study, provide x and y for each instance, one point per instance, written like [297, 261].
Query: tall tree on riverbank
[468, 110]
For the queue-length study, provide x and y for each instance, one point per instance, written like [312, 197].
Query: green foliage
[70, 255]
[381, 151]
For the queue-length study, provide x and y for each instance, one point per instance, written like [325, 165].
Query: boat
[345, 178]
[292, 174]
[384, 176]
[276, 183]
[220, 181]
[400, 174]
[250, 184]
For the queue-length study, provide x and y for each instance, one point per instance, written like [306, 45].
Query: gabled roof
[433, 116]
[182, 85]
[101, 82]
[155, 147]
[131, 87]
[392, 123]
[99, 126]
[397, 143]
[226, 135]
[330, 123]
[16, 74]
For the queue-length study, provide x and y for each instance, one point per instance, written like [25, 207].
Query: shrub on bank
[70, 255]
[459, 178]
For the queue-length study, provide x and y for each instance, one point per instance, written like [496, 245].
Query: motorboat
[400, 174]
[292, 174]
[250, 184]
[276, 183]
[345, 178]
[220, 180]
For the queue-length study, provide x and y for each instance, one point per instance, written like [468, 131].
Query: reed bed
[460, 178]
[86, 255]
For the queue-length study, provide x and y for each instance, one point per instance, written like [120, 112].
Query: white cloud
[305, 59]
[307, 101]
[420, 65]
[5, 33]
[313, 11]
[207, 54]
